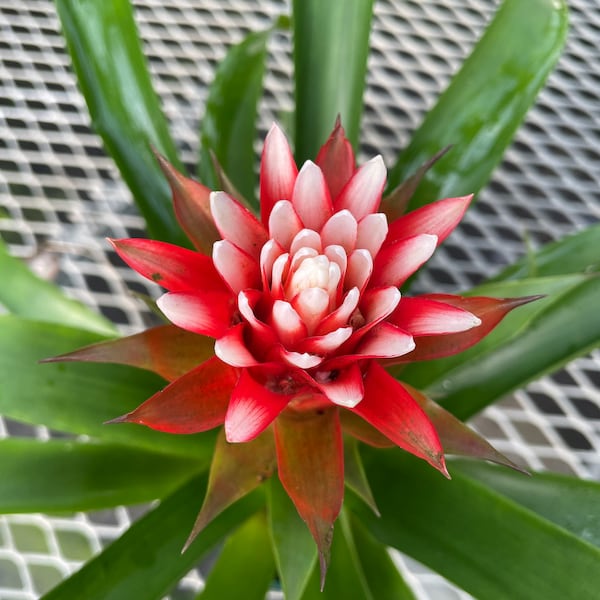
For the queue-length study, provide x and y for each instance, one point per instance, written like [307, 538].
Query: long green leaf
[530, 342]
[79, 398]
[146, 561]
[245, 568]
[112, 74]
[489, 545]
[577, 253]
[372, 558]
[486, 101]
[69, 476]
[23, 293]
[568, 502]
[228, 127]
[330, 57]
[294, 549]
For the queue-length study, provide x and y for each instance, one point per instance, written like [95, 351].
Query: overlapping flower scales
[305, 307]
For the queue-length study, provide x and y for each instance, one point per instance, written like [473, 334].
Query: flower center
[313, 271]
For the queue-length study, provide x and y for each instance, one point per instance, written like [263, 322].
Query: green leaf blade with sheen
[79, 398]
[146, 561]
[476, 537]
[24, 294]
[228, 127]
[125, 110]
[486, 101]
[330, 58]
[69, 476]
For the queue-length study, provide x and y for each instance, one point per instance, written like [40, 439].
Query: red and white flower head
[305, 308]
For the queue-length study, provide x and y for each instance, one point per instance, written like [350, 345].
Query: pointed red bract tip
[122, 419]
[191, 206]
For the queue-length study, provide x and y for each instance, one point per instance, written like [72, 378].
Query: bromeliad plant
[301, 294]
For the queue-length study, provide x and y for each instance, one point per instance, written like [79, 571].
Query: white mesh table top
[60, 196]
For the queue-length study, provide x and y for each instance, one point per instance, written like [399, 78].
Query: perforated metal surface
[60, 196]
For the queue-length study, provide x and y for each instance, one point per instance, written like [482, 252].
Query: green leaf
[228, 127]
[294, 549]
[26, 295]
[354, 473]
[331, 42]
[531, 341]
[60, 475]
[345, 578]
[479, 539]
[568, 502]
[486, 101]
[383, 578]
[111, 70]
[79, 398]
[245, 568]
[577, 253]
[146, 561]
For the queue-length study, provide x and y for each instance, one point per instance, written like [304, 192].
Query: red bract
[305, 308]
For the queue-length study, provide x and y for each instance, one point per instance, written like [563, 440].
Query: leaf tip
[126, 418]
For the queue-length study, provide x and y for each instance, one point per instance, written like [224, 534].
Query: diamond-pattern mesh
[60, 196]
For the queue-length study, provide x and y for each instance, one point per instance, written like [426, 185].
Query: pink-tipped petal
[311, 304]
[336, 160]
[490, 310]
[268, 255]
[342, 387]
[252, 409]
[337, 255]
[341, 316]
[231, 348]
[362, 194]
[385, 341]
[284, 223]
[392, 410]
[247, 301]
[422, 316]
[377, 304]
[278, 172]
[341, 230]
[207, 313]
[239, 270]
[372, 231]
[438, 218]
[195, 402]
[359, 270]
[300, 360]
[288, 324]
[307, 238]
[396, 262]
[237, 224]
[310, 461]
[325, 344]
[311, 197]
[278, 274]
[174, 268]
[191, 202]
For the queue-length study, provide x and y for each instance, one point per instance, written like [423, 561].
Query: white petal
[311, 197]
[311, 304]
[372, 231]
[362, 194]
[284, 223]
[360, 267]
[341, 229]
[307, 238]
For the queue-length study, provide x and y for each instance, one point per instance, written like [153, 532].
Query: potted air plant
[286, 405]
